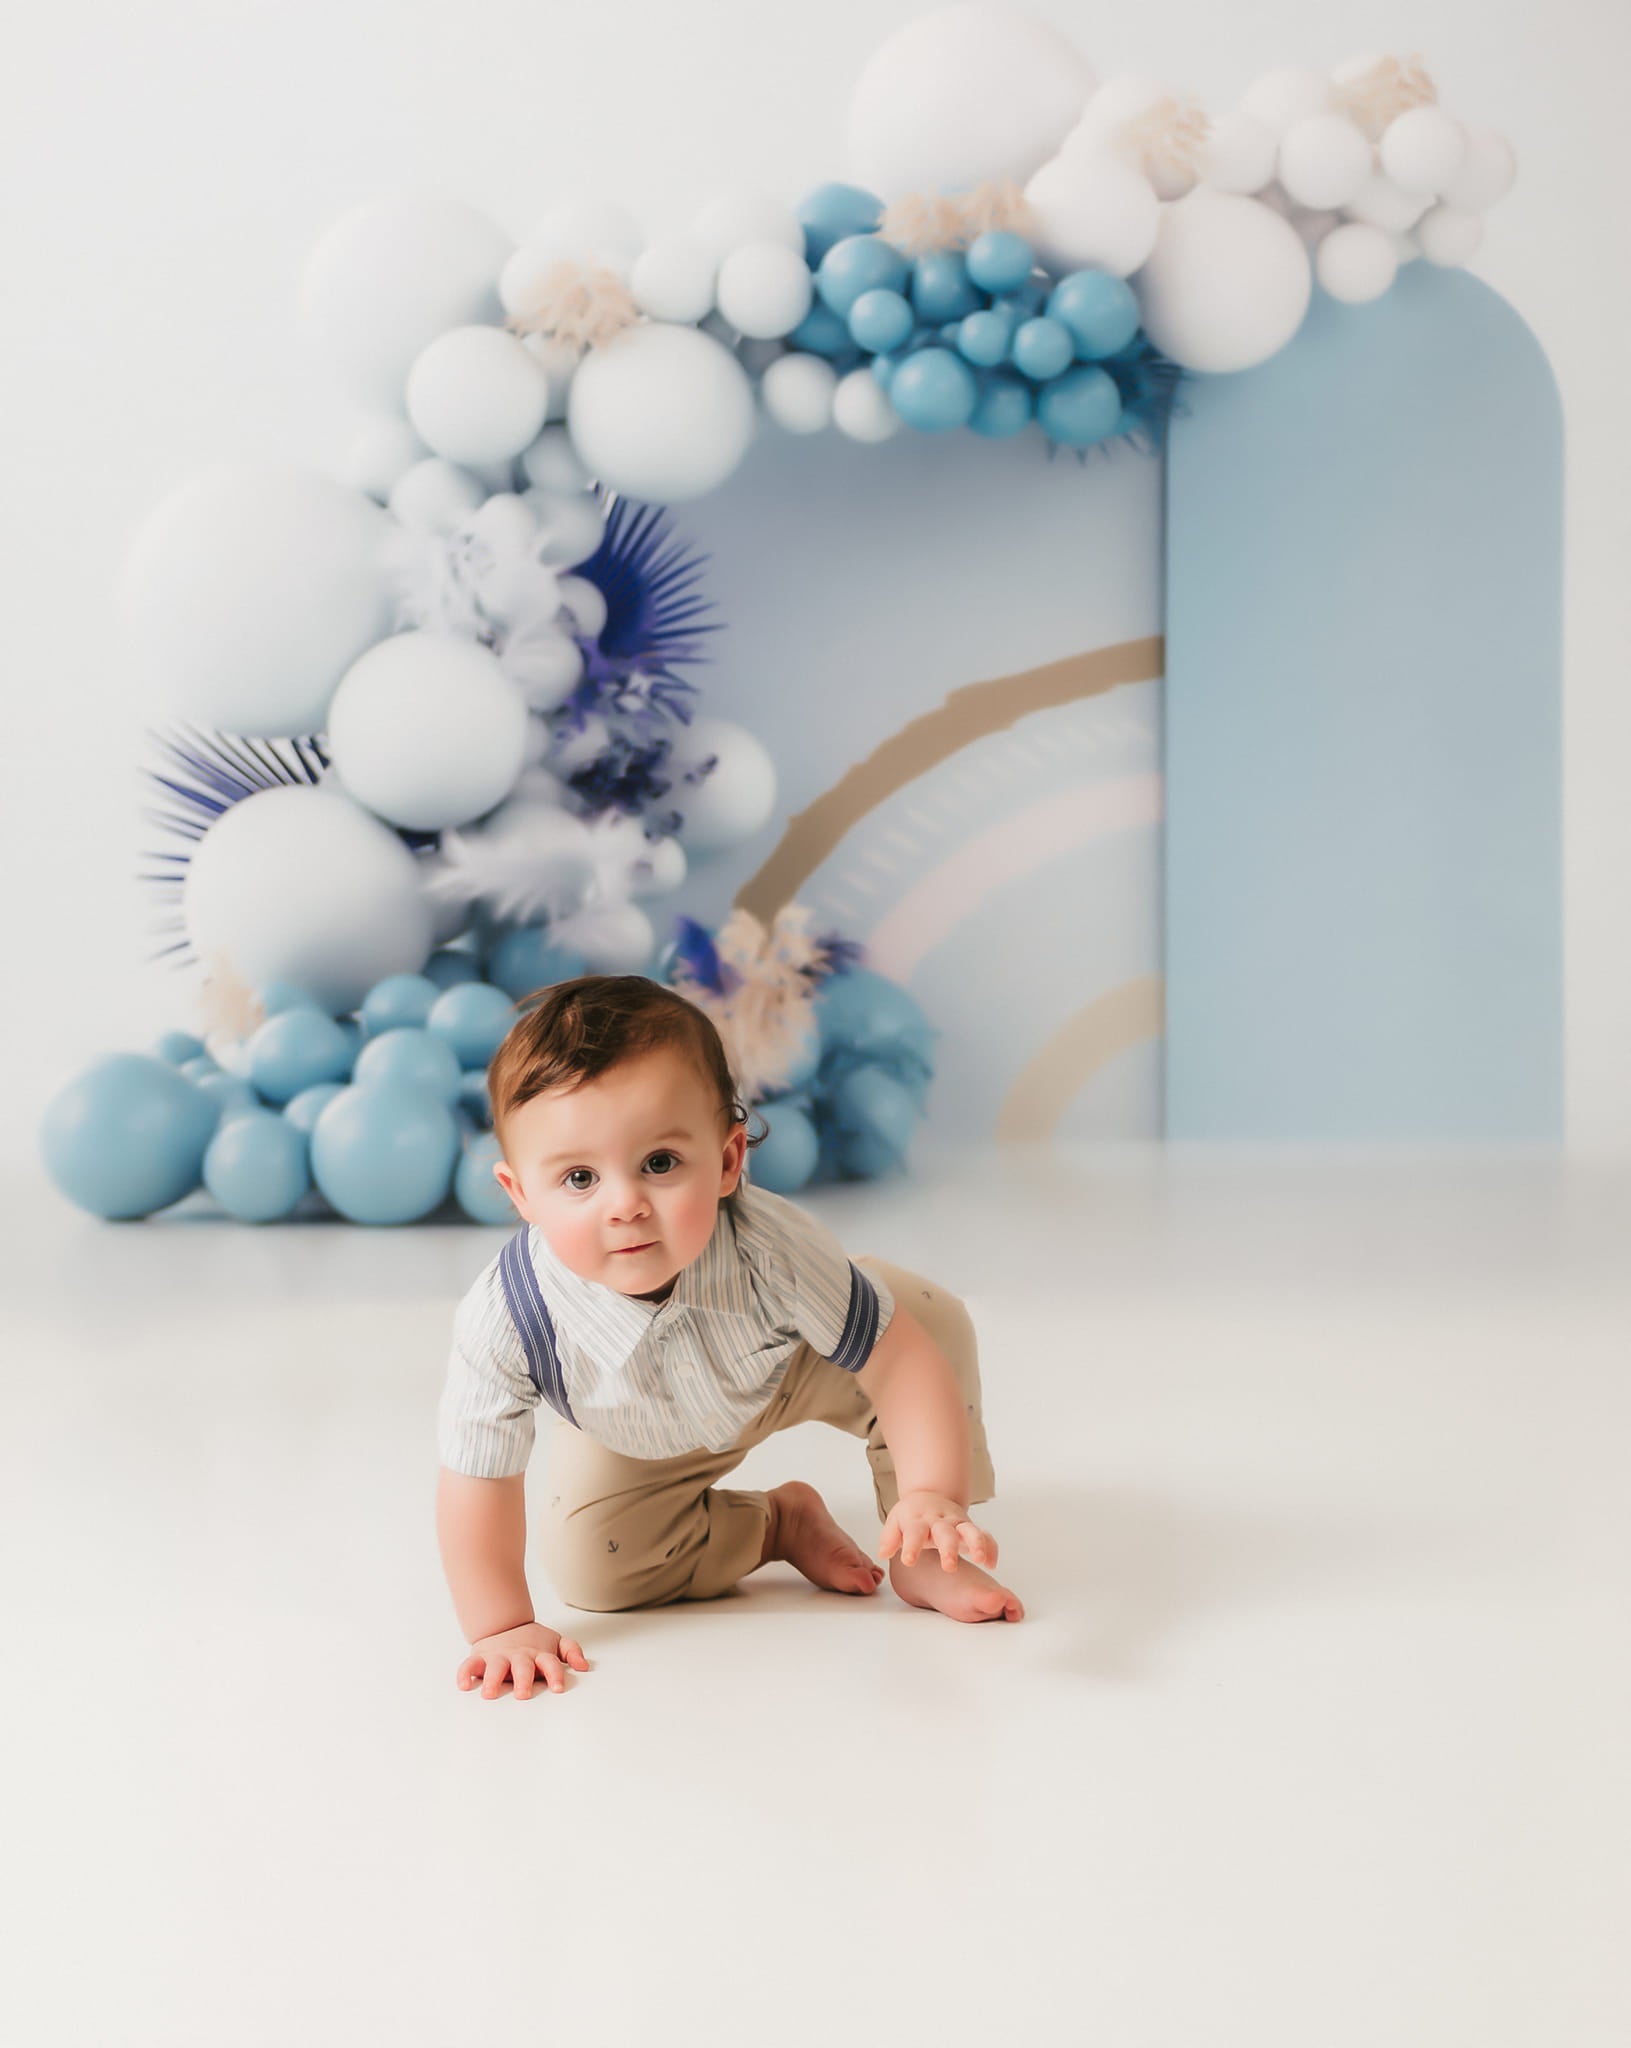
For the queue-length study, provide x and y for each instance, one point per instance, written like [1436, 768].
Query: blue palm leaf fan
[657, 621]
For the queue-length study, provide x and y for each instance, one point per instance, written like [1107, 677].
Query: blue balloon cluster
[979, 337]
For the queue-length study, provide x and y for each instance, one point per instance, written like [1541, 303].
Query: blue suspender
[531, 1319]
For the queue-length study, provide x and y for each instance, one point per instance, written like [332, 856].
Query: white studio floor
[1312, 1474]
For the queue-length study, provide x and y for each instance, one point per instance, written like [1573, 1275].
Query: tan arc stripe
[1052, 1079]
[968, 714]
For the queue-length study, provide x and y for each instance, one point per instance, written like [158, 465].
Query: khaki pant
[637, 1532]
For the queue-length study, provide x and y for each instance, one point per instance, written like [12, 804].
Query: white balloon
[434, 496]
[1486, 173]
[798, 392]
[1239, 153]
[477, 396]
[1379, 203]
[734, 219]
[559, 362]
[544, 662]
[724, 802]
[553, 464]
[249, 590]
[764, 290]
[1102, 129]
[861, 408]
[389, 277]
[660, 869]
[964, 95]
[380, 451]
[661, 413]
[589, 230]
[1406, 248]
[613, 938]
[1227, 285]
[1313, 224]
[522, 282]
[449, 913]
[1423, 149]
[586, 602]
[1449, 238]
[530, 859]
[1356, 263]
[1092, 212]
[1323, 160]
[427, 731]
[571, 525]
[1289, 93]
[674, 279]
[304, 886]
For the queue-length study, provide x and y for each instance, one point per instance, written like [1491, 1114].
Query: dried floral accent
[1168, 136]
[761, 994]
[1389, 88]
[228, 1007]
[997, 204]
[582, 304]
[924, 221]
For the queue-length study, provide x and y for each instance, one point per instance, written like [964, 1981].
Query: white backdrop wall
[169, 165]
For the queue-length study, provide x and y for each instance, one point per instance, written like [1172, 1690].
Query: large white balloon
[674, 279]
[434, 495]
[248, 592]
[476, 395]
[612, 938]
[727, 801]
[661, 413]
[306, 887]
[379, 453]
[1227, 285]
[427, 731]
[764, 290]
[388, 278]
[963, 95]
[1092, 211]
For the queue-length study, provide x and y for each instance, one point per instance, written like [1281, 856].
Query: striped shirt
[653, 1379]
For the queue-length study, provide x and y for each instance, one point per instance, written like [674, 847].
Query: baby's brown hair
[578, 1029]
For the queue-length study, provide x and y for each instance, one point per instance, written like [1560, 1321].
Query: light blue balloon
[934, 391]
[410, 1059]
[278, 996]
[476, 1099]
[400, 1000]
[1005, 405]
[831, 213]
[1081, 407]
[999, 261]
[451, 966]
[309, 1105]
[230, 1093]
[474, 1188]
[879, 321]
[875, 1117]
[984, 337]
[1100, 311]
[821, 333]
[256, 1166]
[474, 1018]
[785, 1159]
[296, 1049]
[884, 367]
[1042, 348]
[527, 959]
[859, 263]
[353, 1034]
[860, 1011]
[941, 290]
[176, 1048]
[385, 1154]
[127, 1136]
[196, 1069]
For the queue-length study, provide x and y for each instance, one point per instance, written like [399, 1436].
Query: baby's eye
[572, 1179]
[672, 1157]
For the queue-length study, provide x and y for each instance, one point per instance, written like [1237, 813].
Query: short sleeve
[810, 1281]
[485, 1423]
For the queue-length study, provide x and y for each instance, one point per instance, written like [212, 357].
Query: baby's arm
[481, 1525]
[925, 1424]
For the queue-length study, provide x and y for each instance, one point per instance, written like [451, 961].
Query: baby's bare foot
[805, 1536]
[967, 1594]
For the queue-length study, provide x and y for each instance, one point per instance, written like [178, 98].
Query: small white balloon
[553, 464]
[435, 495]
[674, 279]
[613, 938]
[662, 413]
[1448, 237]
[1238, 154]
[1228, 283]
[1423, 149]
[1092, 212]
[861, 408]
[798, 392]
[378, 454]
[586, 602]
[1486, 173]
[1379, 203]
[477, 396]
[559, 362]
[1323, 160]
[734, 219]
[764, 289]
[1406, 248]
[586, 230]
[523, 283]
[571, 525]
[544, 662]
[660, 869]
[1289, 93]
[722, 782]
[427, 731]
[1356, 263]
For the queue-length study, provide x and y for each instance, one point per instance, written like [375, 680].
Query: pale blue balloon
[1004, 407]
[127, 1136]
[785, 1159]
[230, 1093]
[875, 1117]
[859, 263]
[934, 391]
[295, 1050]
[256, 1166]
[397, 1001]
[476, 1099]
[411, 1059]
[195, 1069]
[474, 1018]
[999, 261]
[309, 1105]
[278, 996]
[478, 1194]
[385, 1154]
[1042, 348]
[526, 959]
[860, 1011]
[353, 1035]
[451, 966]
[176, 1048]
[832, 212]
[941, 289]
[821, 333]
[1100, 311]
[880, 321]
[984, 338]
[1081, 407]
[884, 367]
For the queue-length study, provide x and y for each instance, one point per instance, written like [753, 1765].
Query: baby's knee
[589, 1566]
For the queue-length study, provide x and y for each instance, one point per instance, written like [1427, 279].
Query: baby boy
[672, 1316]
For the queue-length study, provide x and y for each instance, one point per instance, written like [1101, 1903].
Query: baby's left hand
[920, 1519]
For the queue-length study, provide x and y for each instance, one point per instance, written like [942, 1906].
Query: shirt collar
[621, 1320]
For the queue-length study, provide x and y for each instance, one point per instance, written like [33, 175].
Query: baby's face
[624, 1174]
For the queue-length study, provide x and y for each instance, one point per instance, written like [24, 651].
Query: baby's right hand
[514, 1652]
